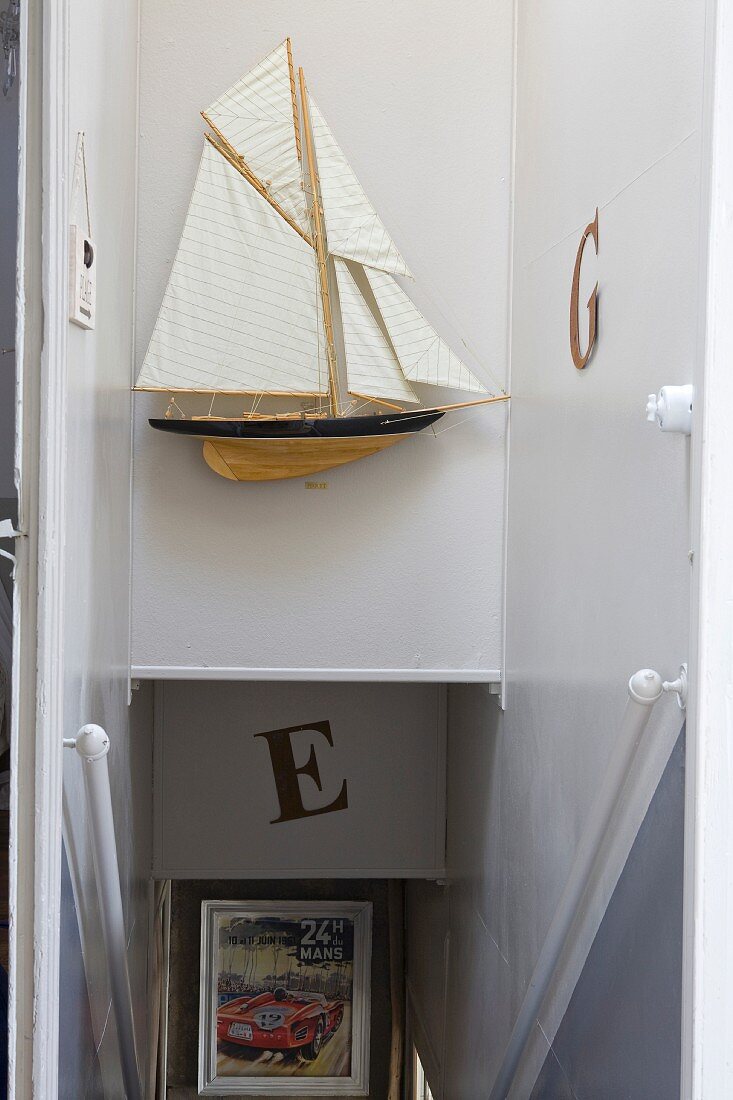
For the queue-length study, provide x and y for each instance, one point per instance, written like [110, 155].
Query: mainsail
[354, 229]
[240, 313]
[424, 356]
[258, 117]
[372, 368]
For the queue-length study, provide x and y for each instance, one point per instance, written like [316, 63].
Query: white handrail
[92, 745]
[645, 688]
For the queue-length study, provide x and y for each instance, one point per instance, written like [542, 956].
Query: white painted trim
[133, 343]
[308, 675]
[52, 502]
[707, 1005]
[509, 360]
[28, 343]
[208, 872]
[38, 713]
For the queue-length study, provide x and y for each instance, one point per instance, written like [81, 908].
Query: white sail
[241, 312]
[372, 368]
[423, 354]
[353, 227]
[256, 117]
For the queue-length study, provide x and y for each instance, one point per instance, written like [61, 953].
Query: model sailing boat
[278, 227]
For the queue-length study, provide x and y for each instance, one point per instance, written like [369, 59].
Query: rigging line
[86, 183]
[175, 405]
[603, 205]
[352, 411]
[222, 146]
[360, 407]
[450, 427]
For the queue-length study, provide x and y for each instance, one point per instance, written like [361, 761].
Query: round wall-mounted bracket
[671, 408]
[679, 687]
[91, 742]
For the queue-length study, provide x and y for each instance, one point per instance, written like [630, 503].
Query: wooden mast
[320, 246]
[470, 404]
[230, 154]
[293, 96]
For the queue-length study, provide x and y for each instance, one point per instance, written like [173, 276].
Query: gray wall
[620, 1038]
[183, 998]
[82, 1076]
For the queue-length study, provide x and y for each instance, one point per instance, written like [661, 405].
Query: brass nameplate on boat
[580, 360]
[316, 484]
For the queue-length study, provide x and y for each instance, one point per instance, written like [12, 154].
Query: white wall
[398, 564]
[609, 102]
[102, 102]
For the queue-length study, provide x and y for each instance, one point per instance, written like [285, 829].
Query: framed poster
[285, 997]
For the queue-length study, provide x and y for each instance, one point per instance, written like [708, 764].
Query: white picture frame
[316, 1011]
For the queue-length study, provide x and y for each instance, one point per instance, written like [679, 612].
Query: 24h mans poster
[285, 998]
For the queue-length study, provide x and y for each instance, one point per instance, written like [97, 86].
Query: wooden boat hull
[277, 459]
[273, 450]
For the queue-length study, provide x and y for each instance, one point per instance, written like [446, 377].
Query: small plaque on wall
[284, 998]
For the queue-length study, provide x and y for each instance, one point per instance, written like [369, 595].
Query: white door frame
[37, 710]
[707, 1049]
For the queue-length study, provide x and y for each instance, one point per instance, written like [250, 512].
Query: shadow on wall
[620, 1036]
[78, 1062]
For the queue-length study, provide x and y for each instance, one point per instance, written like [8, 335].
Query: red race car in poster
[282, 1020]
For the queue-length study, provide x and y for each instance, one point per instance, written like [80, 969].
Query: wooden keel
[277, 459]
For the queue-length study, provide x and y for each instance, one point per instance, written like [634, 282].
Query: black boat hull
[397, 423]
[273, 450]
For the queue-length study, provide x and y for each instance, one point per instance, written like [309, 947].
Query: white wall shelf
[492, 676]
